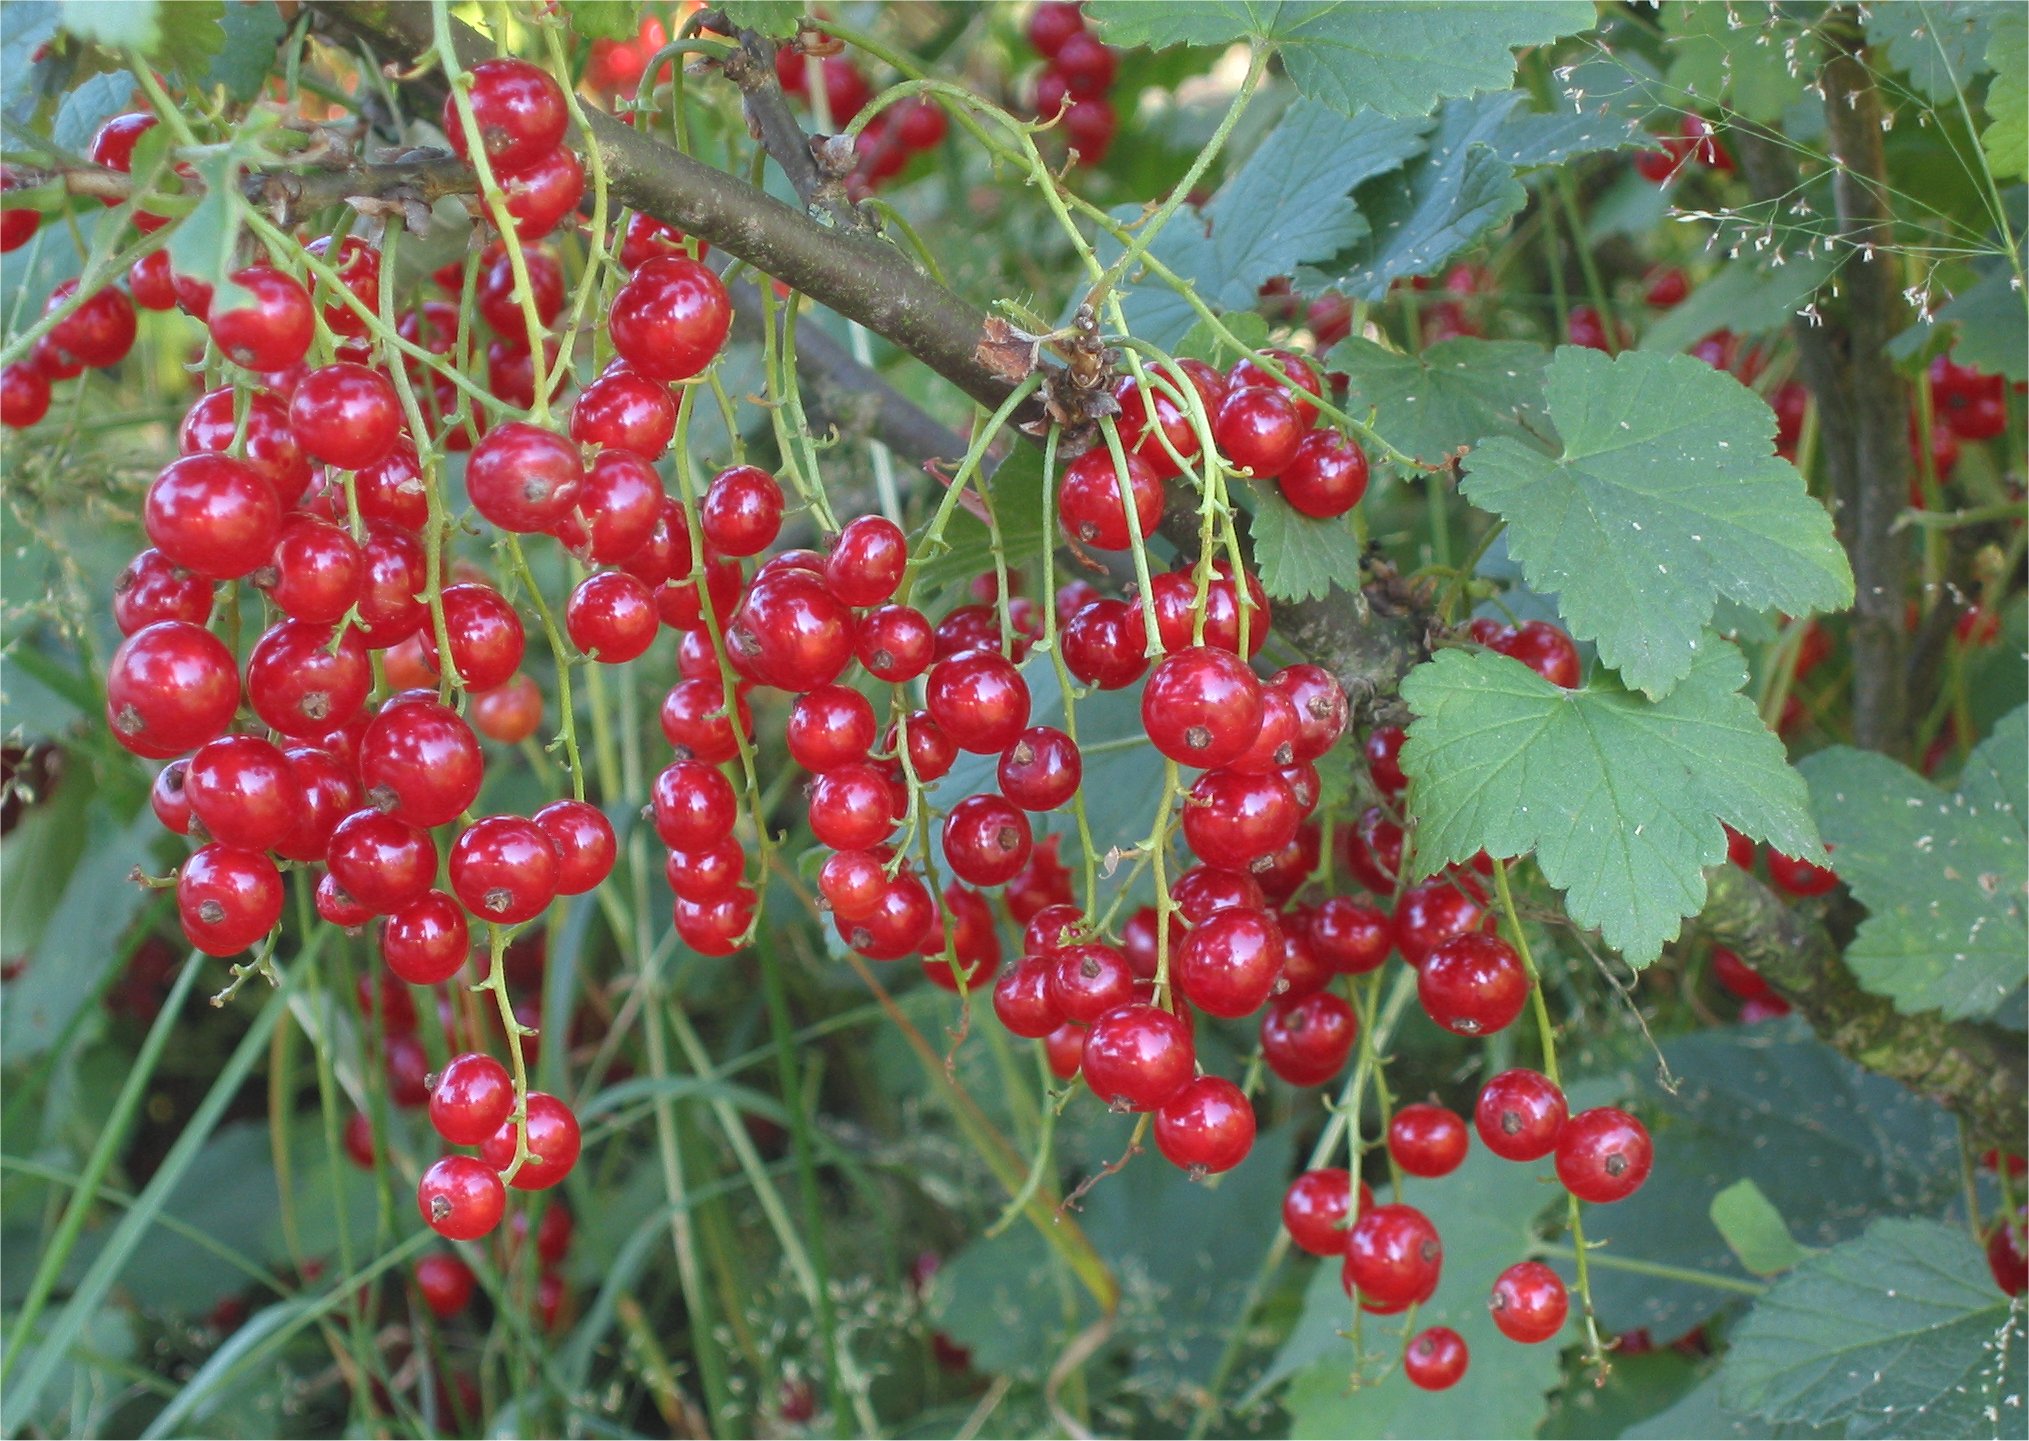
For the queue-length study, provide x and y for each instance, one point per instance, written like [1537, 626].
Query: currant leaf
[1755, 1231]
[2006, 138]
[1300, 558]
[1942, 876]
[1899, 1331]
[1446, 397]
[1742, 298]
[769, 17]
[1399, 59]
[1986, 326]
[1619, 797]
[1665, 496]
[1757, 68]
[1941, 47]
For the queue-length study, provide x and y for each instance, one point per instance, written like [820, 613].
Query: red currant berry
[1603, 1155]
[270, 325]
[790, 632]
[445, 1284]
[380, 862]
[1205, 1128]
[707, 875]
[618, 507]
[1436, 1359]
[504, 869]
[302, 684]
[98, 333]
[213, 516]
[611, 617]
[461, 1197]
[1351, 938]
[1316, 1210]
[852, 807]
[316, 572]
[830, 726]
[1229, 964]
[698, 724]
[1520, 1115]
[420, 763]
[1021, 998]
[227, 899]
[1546, 650]
[172, 686]
[670, 318]
[153, 588]
[1383, 747]
[893, 642]
[1427, 1140]
[1137, 1057]
[520, 111]
[1472, 984]
[1103, 644]
[1202, 707]
[716, 927]
[426, 942]
[1258, 430]
[866, 560]
[243, 792]
[358, 267]
[1236, 821]
[903, 916]
[24, 395]
[497, 298]
[1306, 1040]
[980, 701]
[487, 639]
[508, 714]
[625, 410]
[1393, 1257]
[1084, 982]
[741, 513]
[646, 237]
[346, 416]
[1090, 504]
[585, 844]
[2005, 1259]
[1326, 478]
[336, 905]
[473, 1097]
[1041, 770]
[1053, 22]
[1529, 1303]
[1799, 877]
[1430, 914]
[1064, 1049]
[1321, 708]
[986, 840]
[1302, 386]
[693, 806]
[522, 478]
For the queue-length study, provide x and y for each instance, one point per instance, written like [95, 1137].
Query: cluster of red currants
[1078, 71]
[1965, 404]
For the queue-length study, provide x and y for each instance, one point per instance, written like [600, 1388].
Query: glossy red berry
[1236, 820]
[1201, 707]
[852, 806]
[1306, 1040]
[611, 617]
[1317, 1207]
[1326, 477]
[316, 572]
[227, 899]
[1321, 708]
[1258, 430]
[1799, 877]
[1228, 964]
[866, 561]
[153, 588]
[335, 904]
[1104, 646]
[1205, 1128]
[894, 642]
[1393, 1257]
[508, 714]
[1383, 749]
[345, 415]
[473, 1097]
[830, 726]
[670, 318]
[1041, 770]
[171, 687]
[504, 869]
[1436, 1359]
[693, 806]
[718, 926]
[269, 324]
[244, 793]
[1546, 650]
[2005, 1259]
[986, 840]
[1084, 982]
[1430, 914]
[707, 875]
[1350, 937]
[520, 111]
[381, 863]
[358, 267]
[1137, 1057]
[98, 333]
[1520, 1115]
[553, 1137]
[213, 516]
[1603, 1155]
[24, 395]
[741, 513]
[303, 684]
[1021, 998]
[979, 699]
[461, 1197]
[1089, 500]
[1529, 1302]
[1472, 984]
[420, 763]
[625, 410]
[523, 478]
[585, 844]
[1427, 1140]
[267, 444]
[426, 942]
[790, 631]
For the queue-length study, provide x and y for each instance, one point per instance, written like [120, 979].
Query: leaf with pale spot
[1619, 797]
[1942, 876]
[1399, 59]
[1666, 495]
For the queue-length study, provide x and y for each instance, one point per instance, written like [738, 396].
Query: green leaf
[1703, 1413]
[1201, 342]
[1300, 558]
[999, 1298]
[1942, 876]
[1667, 495]
[1720, 53]
[1437, 204]
[115, 24]
[1901, 1332]
[1743, 298]
[247, 58]
[1486, 1213]
[1755, 1230]
[2006, 138]
[1941, 46]
[1400, 59]
[1990, 321]
[30, 24]
[1447, 397]
[1599, 105]
[612, 19]
[86, 108]
[768, 17]
[1619, 797]
[1996, 776]
[1832, 1145]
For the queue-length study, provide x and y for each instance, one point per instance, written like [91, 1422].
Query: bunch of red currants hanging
[1078, 72]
